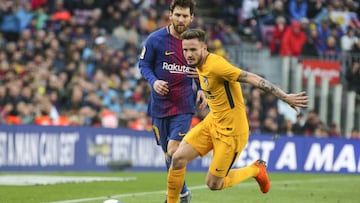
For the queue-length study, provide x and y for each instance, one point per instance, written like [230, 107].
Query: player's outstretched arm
[294, 100]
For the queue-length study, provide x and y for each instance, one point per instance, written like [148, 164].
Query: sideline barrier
[35, 148]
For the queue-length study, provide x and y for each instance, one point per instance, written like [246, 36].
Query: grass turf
[149, 187]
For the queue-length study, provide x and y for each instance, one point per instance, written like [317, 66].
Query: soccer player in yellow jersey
[225, 129]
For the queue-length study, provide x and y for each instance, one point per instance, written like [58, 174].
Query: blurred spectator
[331, 49]
[337, 4]
[230, 36]
[337, 33]
[15, 18]
[60, 13]
[287, 128]
[125, 30]
[352, 76]
[321, 131]
[305, 25]
[354, 134]
[298, 126]
[254, 121]
[216, 46]
[355, 49]
[148, 21]
[109, 119]
[279, 9]
[312, 123]
[324, 32]
[315, 7]
[261, 14]
[278, 35]
[62, 121]
[312, 46]
[324, 14]
[334, 131]
[43, 115]
[348, 40]
[298, 9]
[106, 94]
[272, 122]
[141, 123]
[247, 16]
[293, 40]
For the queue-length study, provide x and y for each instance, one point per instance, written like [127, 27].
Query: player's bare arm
[294, 100]
[201, 99]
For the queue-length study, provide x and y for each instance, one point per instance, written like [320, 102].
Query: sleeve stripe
[228, 94]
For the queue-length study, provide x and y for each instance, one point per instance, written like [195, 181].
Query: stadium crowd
[74, 62]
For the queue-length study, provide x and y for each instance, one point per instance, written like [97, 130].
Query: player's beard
[179, 29]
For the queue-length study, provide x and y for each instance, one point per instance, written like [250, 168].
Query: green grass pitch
[149, 187]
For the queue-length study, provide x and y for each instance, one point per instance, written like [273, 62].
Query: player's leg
[226, 151]
[161, 131]
[256, 170]
[176, 175]
[179, 125]
[195, 143]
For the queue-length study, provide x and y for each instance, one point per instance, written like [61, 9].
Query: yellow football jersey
[218, 80]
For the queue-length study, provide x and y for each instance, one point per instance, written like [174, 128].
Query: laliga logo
[98, 149]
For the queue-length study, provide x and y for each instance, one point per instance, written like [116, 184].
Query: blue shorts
[171, 128]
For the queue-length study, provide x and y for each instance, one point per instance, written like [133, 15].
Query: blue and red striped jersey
[162, 59]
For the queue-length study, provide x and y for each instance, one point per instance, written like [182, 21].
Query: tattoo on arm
[270, 88]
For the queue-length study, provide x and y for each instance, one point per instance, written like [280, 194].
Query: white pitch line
[200, 187]
[17, 180]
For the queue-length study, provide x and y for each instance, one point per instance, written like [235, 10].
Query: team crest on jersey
[206, 83]
[143, 52]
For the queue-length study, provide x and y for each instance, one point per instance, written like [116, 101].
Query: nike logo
[167, 53]
[218, 170]
[181, 134]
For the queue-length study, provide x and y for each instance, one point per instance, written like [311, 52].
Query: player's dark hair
[194, 34]
[184, 4]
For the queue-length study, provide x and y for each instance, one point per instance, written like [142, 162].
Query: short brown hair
[194, 34]
[184, 4]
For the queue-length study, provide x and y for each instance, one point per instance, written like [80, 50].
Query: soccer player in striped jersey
[225, 129]
[173, 98]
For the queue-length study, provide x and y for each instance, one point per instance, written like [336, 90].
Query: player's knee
[171, 150]
[172, 147]
[178, 161]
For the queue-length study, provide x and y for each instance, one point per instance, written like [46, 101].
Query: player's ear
[170, 16]
[205, 47]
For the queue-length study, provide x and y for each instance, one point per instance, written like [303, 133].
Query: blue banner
[38, 148]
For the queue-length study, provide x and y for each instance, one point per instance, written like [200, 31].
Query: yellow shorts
[204, 137]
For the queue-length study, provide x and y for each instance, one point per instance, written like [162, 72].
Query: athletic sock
[175, 182]
[236, 176]
[168, 164]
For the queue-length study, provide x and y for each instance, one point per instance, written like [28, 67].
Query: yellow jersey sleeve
[224, 69]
